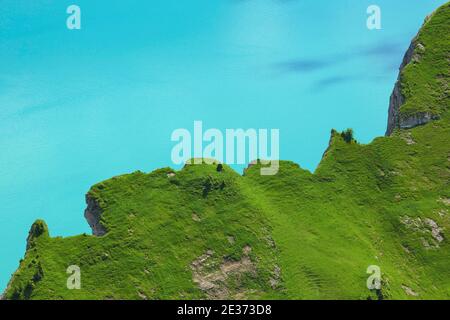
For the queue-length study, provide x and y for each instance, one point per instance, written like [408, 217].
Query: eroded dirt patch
[214, 279]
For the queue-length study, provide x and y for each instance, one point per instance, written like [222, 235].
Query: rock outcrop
[395, 119]
[93, 214]
[424, 104]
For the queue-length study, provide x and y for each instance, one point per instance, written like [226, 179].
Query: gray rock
[93, 214]
[395, 119]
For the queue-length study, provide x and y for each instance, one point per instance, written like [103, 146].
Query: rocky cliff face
[421, 93]
[396, 120]
[93, 214]
[397, 99]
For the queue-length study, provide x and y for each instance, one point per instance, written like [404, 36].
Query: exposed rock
[409, 291]
[330, 142]
[431, 233]
[142, 295]
[445, 201]
[275, 279]
[435, 230]
[271, 242]
[395, 119]
[93, 215]
[212, 280]
[196, 218]
[397, 99]
[416, 119]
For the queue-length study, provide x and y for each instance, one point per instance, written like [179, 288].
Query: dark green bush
[347, 135]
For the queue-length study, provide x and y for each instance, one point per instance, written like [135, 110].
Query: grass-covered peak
[422, 92]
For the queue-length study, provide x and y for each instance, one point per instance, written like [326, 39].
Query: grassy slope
[322, 230]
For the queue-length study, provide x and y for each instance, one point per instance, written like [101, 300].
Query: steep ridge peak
[421, 93]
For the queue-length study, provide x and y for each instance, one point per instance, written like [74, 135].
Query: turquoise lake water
[81, 106]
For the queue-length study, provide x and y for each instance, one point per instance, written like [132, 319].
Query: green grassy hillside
[202, 232]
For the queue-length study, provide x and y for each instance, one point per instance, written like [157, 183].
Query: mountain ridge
[204, 233]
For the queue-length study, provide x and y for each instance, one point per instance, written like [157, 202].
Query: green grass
[321, 230]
